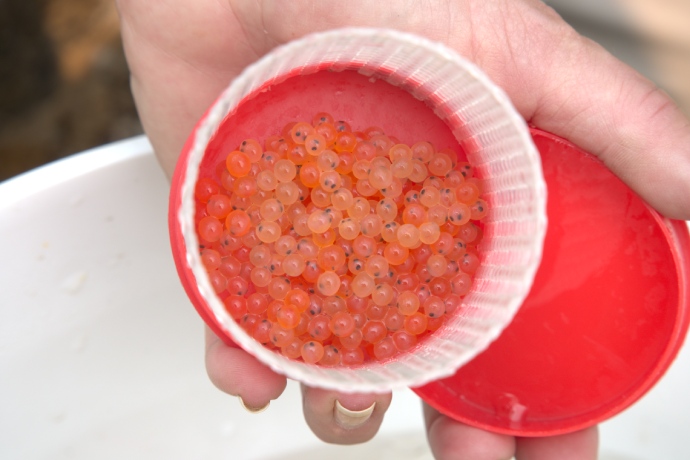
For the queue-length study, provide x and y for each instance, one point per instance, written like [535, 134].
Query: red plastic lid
[607, 313]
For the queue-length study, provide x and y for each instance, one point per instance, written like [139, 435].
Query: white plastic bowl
[101, 356]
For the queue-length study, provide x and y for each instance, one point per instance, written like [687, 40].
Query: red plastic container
[413, 90]
[608, 310]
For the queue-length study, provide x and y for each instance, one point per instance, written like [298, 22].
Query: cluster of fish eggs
[338, 247]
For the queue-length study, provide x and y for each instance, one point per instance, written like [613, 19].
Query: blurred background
[64, 81]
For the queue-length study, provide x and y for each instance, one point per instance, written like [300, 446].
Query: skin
[182, 54]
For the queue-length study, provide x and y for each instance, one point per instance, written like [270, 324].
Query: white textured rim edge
[227, 103]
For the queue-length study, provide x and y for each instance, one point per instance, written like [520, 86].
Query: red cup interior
[347, 95]
[606, 315]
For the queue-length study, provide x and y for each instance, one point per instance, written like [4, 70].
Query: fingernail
[347, 418]
[253, 410]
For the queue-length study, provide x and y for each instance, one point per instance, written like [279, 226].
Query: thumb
[608, 109]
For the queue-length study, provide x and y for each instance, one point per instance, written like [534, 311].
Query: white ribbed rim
[302, 54]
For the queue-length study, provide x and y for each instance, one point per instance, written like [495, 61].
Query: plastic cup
[415, 90]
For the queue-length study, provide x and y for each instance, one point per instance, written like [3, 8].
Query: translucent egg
[271, 209]
[284, 170]
[342, 199]
[328, 283]
[319, 221]
[268, 232]
[287, 193]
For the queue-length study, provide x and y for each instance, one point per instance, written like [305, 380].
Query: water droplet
[508, 406]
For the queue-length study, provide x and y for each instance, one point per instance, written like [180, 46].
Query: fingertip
[449, 439]
[625, 120]
[580, 445]
[234, 371]
[252, 409]
[352, 418]
[341, 418]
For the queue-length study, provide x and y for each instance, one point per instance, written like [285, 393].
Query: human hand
[183, 54]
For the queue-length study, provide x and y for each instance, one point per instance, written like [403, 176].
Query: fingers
[608, 109]
[236, 372]
[450, 440]
[343, 418]
[572, 87]
[581, 445]
[333, 417]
